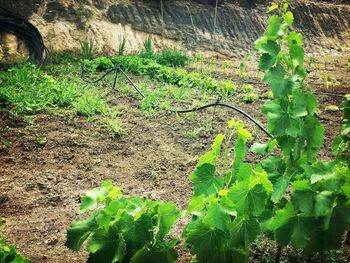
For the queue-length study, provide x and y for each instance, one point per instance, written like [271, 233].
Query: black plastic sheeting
[27, 32]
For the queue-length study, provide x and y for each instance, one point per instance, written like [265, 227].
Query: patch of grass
[172, 58]
[111, 121]
[246, 88]
[227, 88]
[331, 108]
[63, 57]
[250, 97]
[28, 89]
[89, 102]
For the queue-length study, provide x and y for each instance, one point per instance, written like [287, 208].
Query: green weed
[111, 121]
[121, 47]
[250, 97]
[28, 90]
[86, 48]
[89, 102]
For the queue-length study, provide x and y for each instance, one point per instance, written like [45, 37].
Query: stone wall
[184, 24]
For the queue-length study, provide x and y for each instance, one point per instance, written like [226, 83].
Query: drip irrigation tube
[26, 31]
[215, 104]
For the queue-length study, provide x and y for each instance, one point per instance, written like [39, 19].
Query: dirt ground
[47, 163]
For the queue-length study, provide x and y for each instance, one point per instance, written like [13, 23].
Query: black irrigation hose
[217, 103]
[329, 94]
[23, 29]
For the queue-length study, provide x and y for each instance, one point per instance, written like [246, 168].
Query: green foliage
[309, 196]
[148, 52]
[86, 48]
[89, 102]
[250, 97]
[228, 88]
[341, 144]
[229, 198]
[111, 121]
[172, 58]
[29, 90]
[154, 70]
[121, 47]
[8, 253]
[124, 229]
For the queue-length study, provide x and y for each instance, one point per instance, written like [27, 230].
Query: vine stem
[278, 254]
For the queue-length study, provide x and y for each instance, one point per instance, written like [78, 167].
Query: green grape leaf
[217, 217]
[289, 226]
[147, 255]
[282, 122]
[196, 204]
[212, 156]
[245, 170]
[274, 27]
[266, 61]
[279, 188]
[167, 215]
[243, 231]
[301, 185]
[271, 50]
[275, 77]
[304, 201]
[106, 245]
[207, 242]
[259, 148]
[239, 155]
[324, 203]
[248, 200]
[260, 178]
[336, 224]
[294, 37]
[322, 171]
[97, 195]
[79, 231]
[289, 18]
[296, 53]
[138, 234]
[205, 181]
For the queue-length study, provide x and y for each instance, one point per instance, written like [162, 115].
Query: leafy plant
[148, 52]
[124, 229]
[86, 48]
[29, 90]
[228, 87]
[121, 47]
[172, 58]
[149, 67]
[8, 253]
[250, 97]
[228, 202]
[111, 121]
[247, 88]
[341, 144]
[310, 204]
[89, 103]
